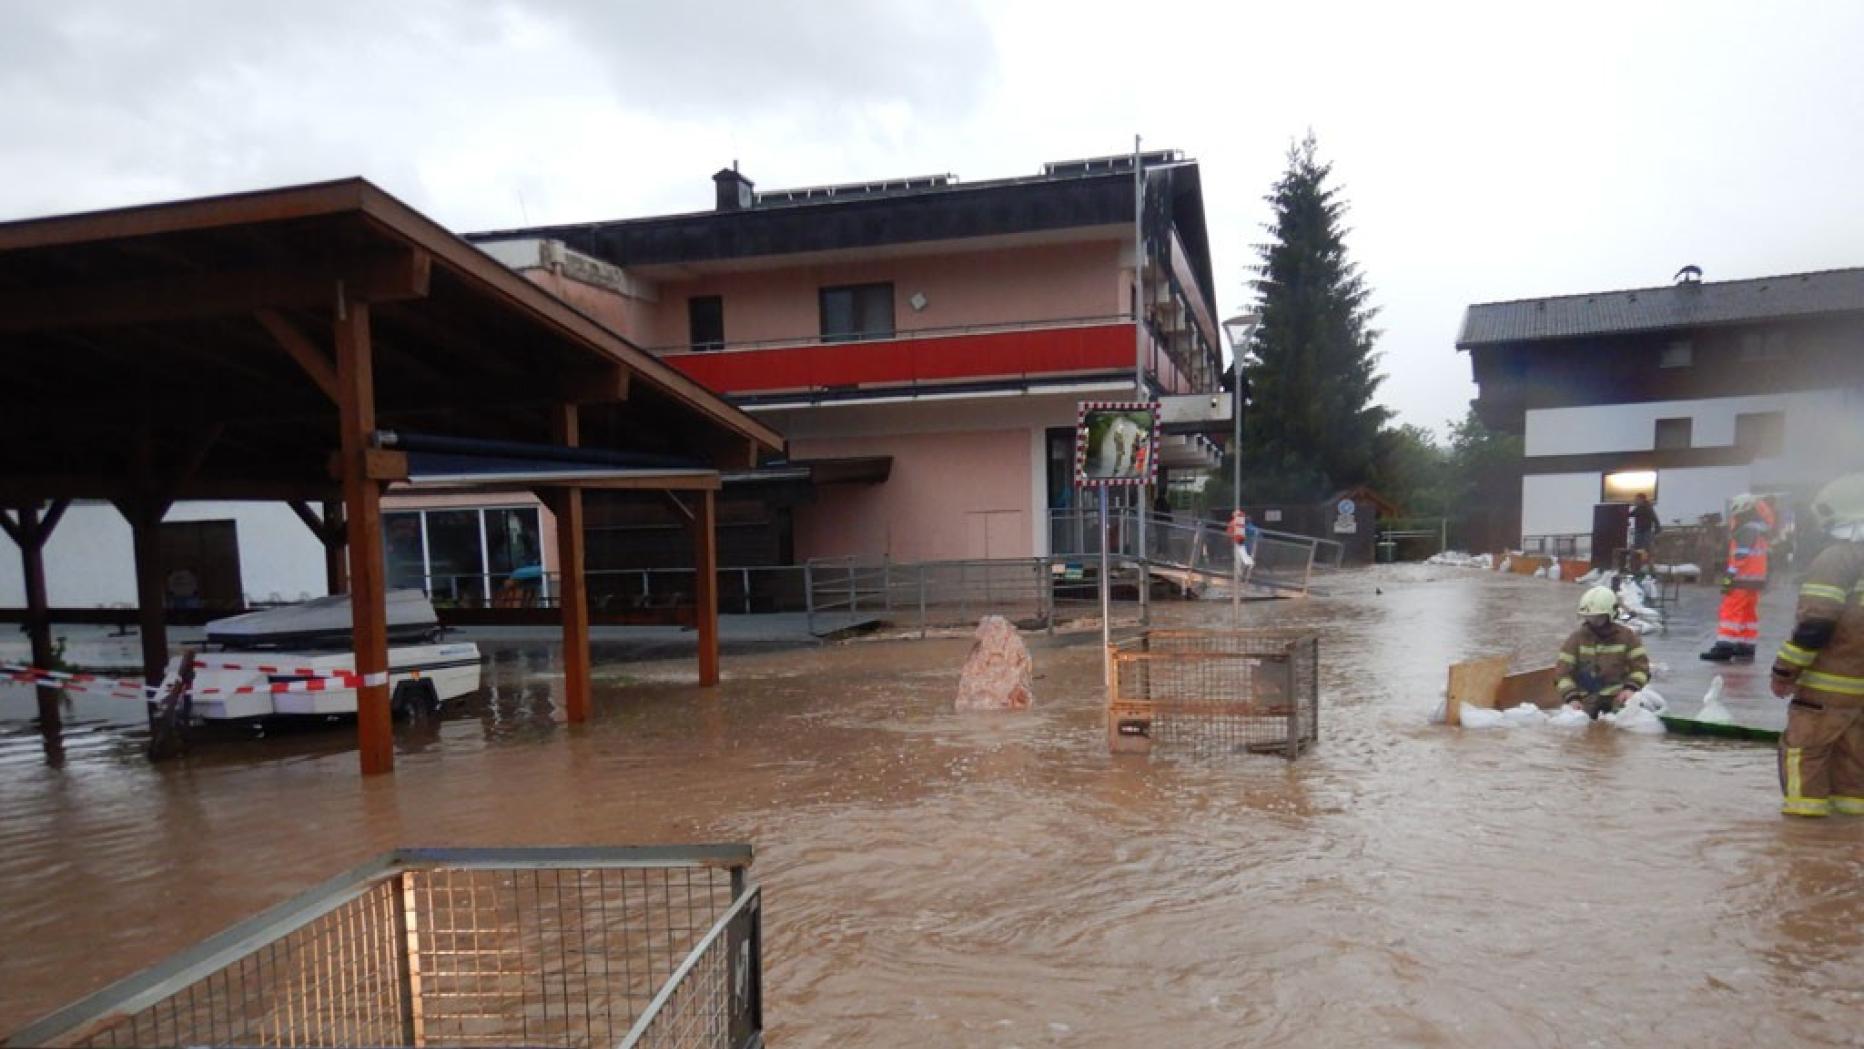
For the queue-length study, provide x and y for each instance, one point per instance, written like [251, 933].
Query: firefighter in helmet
[1603, 663]
[1821, 668]
[1751, 522]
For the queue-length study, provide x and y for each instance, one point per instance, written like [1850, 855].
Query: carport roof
[187, 344]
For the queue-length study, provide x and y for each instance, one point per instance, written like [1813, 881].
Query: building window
[857, 311]
[1763, 346]
[1679, 354]
[464, 557]
[1626, 485]
[1761, 433]
[705, 321]
[1673, 433]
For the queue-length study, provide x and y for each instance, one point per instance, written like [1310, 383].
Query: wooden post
[336, 572]
[705, 586]
[572, 591]
[362, 498]
[30, 533]
[145, 522]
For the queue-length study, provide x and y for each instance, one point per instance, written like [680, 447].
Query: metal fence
[1214, 690]
[535, 947]
[1195, 553]
[1036, 591]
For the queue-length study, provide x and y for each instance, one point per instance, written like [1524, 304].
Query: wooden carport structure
[255, 346]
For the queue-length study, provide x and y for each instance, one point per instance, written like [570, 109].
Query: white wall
[89, 561]
[1589, 429]
[1558, 504]
[1685, 495]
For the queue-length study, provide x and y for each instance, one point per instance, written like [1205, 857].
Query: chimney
[734, 190]
[1688, 275]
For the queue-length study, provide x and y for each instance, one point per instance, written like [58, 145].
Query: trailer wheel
[414, 699]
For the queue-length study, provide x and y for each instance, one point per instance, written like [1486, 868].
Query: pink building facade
[940, 333]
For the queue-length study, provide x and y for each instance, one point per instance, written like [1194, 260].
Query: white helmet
[1741, 503]
[1839, 508]
[1598, 601]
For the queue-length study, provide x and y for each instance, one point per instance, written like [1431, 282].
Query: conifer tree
[1312, 426]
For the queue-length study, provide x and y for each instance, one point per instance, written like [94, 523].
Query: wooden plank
[402, 275]
[302, 350]
[603, 386]
[572, 589]
[1475, 682]
[705, 585]
[1529, 686]
[362, 497]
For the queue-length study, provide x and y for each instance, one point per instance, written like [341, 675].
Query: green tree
[1312, 427]
[1414, 471]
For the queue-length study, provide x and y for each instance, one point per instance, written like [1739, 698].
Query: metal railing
[897, 335]
[923, 594]
[563, 948]
[1566, 545]
[1200, 551]
[746, 589]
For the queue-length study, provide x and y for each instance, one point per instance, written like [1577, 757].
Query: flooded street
[1001, 880]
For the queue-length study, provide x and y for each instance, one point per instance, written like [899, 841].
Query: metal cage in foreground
[559, 947]
[1212, 689]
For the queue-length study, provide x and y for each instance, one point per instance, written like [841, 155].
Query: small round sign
[1347, 507]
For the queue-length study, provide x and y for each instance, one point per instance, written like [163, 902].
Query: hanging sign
[1116, 443]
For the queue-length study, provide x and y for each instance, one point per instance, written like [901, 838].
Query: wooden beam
[572, 586]
[705, 585]
[301, 349]
[381, 278]
[31, 534]
[12, 529]
[336, 566]
[30, 487]
[362, 497]
[382, 465]
[145, 522]
[605, 386]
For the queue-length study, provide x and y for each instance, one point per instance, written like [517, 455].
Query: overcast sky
[1490, 150]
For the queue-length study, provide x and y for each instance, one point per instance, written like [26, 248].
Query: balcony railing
[927, 357]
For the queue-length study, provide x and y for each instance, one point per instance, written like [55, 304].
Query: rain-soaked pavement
[980, 880]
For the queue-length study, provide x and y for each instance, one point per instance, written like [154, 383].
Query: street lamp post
[1239, 328]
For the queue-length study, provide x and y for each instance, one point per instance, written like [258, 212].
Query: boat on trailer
[296, 661]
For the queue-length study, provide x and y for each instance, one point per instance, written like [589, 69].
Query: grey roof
[1670, 306]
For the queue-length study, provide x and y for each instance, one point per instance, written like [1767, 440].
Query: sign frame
[1149, 472]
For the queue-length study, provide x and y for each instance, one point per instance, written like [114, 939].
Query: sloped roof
[1671, 306]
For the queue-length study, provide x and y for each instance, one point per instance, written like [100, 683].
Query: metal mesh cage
[1219, 690]
[561, 948]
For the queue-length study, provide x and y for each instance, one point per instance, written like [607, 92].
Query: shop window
[461, 556]
[857, 311]
[1673, 433]
[1762, 434]
[705, 322]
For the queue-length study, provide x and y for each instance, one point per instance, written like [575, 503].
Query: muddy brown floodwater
[1000, 880]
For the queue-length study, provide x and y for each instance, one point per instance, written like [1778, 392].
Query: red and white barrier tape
[129, 688]
[210, 663]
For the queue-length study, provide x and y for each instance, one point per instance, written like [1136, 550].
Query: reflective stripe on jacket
[1591, 665]
[1825, 655]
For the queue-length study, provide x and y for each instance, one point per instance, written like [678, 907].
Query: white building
[1690, 393]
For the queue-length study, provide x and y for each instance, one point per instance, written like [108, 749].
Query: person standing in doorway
[1743, 578]
[1644, 529]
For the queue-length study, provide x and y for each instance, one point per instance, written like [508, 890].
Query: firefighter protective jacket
[1591, 665]
[1825, 656]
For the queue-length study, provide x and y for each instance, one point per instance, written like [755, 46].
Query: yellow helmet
[1839, 507]
[1598, 601]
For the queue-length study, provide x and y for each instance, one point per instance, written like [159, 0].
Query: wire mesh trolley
[558, 947]
[1210, 689]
